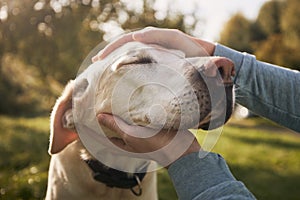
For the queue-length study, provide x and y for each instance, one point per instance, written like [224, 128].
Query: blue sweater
[268, 90]
[206, 178]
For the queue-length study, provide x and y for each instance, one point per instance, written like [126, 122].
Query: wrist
[193, 148]
[209, 47]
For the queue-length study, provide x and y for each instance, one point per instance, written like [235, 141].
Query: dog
[145, 85]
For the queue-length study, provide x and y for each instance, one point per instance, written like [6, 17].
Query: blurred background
[43, 42]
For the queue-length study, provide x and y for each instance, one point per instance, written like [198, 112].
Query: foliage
[274, 36]
[22, 90]
[236, 38]
[43, 42]
[269, 17]
[290, 24]
[50, 39]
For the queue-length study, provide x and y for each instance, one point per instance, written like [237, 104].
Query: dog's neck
[115, 178]
[112, 177]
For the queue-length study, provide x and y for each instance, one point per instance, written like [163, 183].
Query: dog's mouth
[221, 96]
[224, 115]
[208, 104]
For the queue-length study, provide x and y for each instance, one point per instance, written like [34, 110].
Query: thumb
[113, 123]
[170, 39]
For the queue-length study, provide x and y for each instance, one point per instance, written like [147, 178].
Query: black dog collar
[115, 178]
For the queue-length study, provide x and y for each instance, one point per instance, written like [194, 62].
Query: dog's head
[152, 86]
[156, 87]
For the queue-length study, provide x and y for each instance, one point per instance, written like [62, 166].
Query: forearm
[206, 178]
[268, 90]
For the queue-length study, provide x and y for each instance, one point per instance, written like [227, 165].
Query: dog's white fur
[69, 176]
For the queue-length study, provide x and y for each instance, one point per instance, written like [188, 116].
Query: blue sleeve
[206, 178]
[267, 90]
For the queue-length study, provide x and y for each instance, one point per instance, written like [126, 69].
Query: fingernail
[138, 36]
[134, 36]
[101, 117]
[95, 58]
[99, 56]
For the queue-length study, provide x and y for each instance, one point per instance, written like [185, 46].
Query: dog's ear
[60, 137]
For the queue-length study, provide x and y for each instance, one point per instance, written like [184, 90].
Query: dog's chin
[85, 155]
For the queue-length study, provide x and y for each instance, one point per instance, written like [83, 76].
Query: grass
[24, 159]
[264, 156]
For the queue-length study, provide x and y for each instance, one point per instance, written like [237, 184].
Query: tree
[236, 33]
[52, 37]
[274, 50]
[269, 17]
[274, 36]
[290, 24]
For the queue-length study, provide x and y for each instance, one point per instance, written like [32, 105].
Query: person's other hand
[144, 140]
[168, 38]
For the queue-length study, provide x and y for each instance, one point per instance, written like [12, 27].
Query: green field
[262, 155]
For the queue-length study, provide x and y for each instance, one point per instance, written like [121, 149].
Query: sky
[213, 14]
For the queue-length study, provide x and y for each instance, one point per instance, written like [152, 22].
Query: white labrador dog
[145, 85]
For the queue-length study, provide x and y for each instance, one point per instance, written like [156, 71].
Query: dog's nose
[211, 66]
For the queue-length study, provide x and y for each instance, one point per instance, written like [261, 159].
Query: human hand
[144, 140]
[168, 38]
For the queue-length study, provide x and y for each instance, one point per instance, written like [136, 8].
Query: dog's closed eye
[132, 60]
[143, 60]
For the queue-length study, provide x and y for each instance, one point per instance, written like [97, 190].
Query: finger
[227, 68]
[113, 123]
[168, 38]
[172, 39]
[221, 65]
[209, 47]
[121, 144]
[151, 35]
[118, 142]
[112, 46]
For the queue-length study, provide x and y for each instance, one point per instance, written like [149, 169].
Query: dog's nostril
[80, 87]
